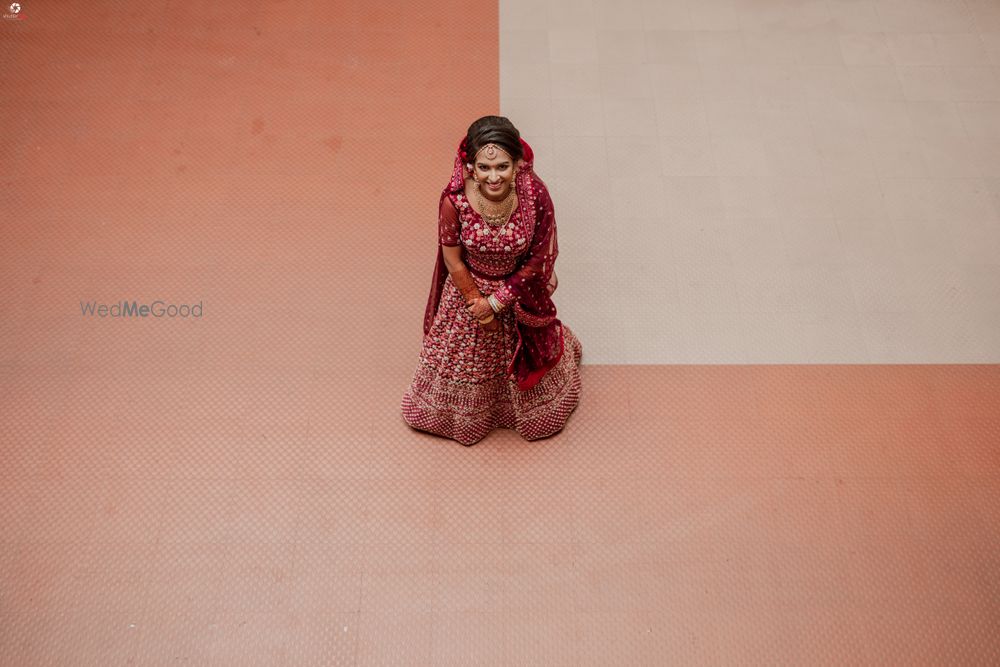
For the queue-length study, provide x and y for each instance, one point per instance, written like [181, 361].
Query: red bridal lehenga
[524, 376]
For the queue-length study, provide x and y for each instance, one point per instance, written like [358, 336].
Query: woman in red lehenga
[494, 354]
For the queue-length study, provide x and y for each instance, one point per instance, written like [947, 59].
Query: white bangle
[494, 304]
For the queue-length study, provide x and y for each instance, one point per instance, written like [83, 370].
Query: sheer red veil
[539, 331]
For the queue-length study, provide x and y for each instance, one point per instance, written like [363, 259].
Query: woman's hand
[480, 308]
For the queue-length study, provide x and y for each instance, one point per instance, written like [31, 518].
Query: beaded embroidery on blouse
[488, 249]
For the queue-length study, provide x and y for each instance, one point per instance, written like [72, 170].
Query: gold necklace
[500, 213]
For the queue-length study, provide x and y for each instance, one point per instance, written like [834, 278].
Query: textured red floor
[742, 514]
[240, 489]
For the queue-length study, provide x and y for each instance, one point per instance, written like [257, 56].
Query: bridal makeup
[495, 174]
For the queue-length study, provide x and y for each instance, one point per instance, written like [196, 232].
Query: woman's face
[495, 175]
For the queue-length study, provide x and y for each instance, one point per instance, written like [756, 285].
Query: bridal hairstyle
[494, 130]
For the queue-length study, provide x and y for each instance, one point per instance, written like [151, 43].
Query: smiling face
[495, 174]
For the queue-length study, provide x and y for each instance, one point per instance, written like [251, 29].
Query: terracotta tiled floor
[240, 488]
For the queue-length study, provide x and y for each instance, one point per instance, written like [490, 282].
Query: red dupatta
[539, 331]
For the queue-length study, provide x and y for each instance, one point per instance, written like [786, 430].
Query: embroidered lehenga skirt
[461, 389]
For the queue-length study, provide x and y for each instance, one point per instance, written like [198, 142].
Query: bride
[494, 353]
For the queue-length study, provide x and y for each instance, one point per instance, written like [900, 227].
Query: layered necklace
[496, 214]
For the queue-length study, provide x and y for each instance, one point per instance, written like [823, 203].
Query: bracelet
[503, 296]
[494, 304]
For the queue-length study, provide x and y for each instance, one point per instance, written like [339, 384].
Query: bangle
[503, 296]
[494, 303]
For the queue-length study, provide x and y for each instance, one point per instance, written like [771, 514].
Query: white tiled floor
[777, 182]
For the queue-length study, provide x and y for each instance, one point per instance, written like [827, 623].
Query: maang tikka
[491, 151]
